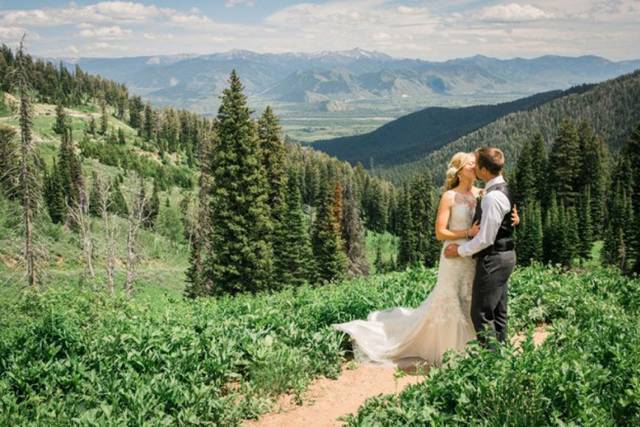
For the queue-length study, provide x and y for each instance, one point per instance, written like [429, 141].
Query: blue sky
[429, 29]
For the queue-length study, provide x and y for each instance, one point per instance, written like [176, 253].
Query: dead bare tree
[80, 217]
[104, 209]
[137, 215]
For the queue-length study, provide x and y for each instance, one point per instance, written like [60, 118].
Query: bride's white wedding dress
[405, 336]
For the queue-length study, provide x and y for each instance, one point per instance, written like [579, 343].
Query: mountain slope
[192, 81]
[419, 133]
[612, 108]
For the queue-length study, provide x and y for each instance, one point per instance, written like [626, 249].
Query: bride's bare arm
[442, 219]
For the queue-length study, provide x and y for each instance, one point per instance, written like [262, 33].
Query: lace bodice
[462, 212]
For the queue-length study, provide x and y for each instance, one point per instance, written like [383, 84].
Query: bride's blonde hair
[457, 162]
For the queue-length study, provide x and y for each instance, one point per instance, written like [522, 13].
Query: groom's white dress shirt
[495, 205]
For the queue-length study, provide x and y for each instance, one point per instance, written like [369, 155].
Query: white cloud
[10, 35]
[234, 3]
[437, 29]
[513, 12]
[114, 32]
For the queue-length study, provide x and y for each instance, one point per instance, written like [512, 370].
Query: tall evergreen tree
[241, 256]
[62, 121]
[104, 118]
[423, 219]
[631, 152]
[117, 203]
[92, 128]
[273, 161]
[54, 195]
[28, 187]
[553, 238]
[407, 254]
[94, 195]
[71, 172]
[585, 225]
[353, 234]
[136, 107]
[152, 209]
[121, 138]
[530, 170]
[149, 123]
[594, 174]
[569, 248]
[329, 255]
[295, 264]
[565, 164]
[529, 235]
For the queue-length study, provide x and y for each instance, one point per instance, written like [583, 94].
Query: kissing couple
[469, 300]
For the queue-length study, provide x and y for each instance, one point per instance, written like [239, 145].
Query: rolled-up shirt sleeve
[495, 205]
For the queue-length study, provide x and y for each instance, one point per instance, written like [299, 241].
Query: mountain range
[348, 80]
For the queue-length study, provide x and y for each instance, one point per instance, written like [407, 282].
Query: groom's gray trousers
[489, 295]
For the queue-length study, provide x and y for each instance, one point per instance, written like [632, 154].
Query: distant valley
[333, 94]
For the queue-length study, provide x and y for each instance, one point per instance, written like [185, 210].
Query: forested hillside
[414, 135]
[612, 108]
[107, 174]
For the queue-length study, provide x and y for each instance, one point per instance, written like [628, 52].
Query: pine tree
[565, 164]
[569, 248]
[28, 188]
[594, 174]
[136, 108]
[407, 249]
[121, 138]
[104, 118]
[616, 239]
[423, 218]
[529, 235]
[353, 234]
[326, 239]
[54, 195]
[149, 123]
[94, 195]
[295, 265]
[169, 223]
[241, 254]
[379, 262]
[585, 226]
[92, 127]
[117, 203]
[9, 174]
[311, 183]
[631, 152]
[552, 232]
[62, 121]
[273, 160]
[152, 208]
[70, 172]
[529, 172]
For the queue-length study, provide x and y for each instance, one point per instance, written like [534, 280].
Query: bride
[405, 336]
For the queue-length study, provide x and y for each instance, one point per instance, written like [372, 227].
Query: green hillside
[414, 135]
[69, 355]
[612, 108]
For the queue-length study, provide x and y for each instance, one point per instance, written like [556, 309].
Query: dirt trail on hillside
[326, 400]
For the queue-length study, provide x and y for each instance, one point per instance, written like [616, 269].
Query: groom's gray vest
[504, 238]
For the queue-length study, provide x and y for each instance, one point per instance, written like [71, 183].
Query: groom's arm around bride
[493, 247]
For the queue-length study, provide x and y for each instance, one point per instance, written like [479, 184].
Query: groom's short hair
[492, 159]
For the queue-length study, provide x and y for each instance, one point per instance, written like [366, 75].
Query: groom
[493, 247]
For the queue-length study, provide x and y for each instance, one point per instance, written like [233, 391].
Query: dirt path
[326, 400]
